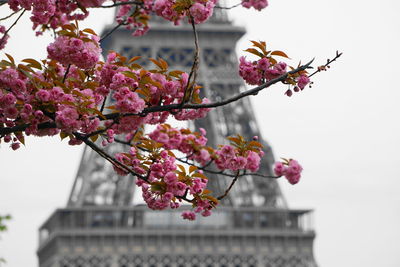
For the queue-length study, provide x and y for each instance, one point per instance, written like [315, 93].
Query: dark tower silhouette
[104, 223]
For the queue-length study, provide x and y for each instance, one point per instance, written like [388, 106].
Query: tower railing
[140, 218]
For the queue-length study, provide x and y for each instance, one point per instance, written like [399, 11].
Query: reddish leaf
[33, 63]
[279, 53]
[89, 31]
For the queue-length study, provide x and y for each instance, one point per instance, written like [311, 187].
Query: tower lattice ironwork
[104, 223]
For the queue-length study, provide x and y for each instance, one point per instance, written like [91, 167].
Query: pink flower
[263, 64]
[170, 178]
[291, 170]
[15, 146]
[70, 50]
[188, 215]
[256, 4]
[3, 38]
[201, 12]
[253, 161]
[302, 81]
[43, 95]
[279, 168]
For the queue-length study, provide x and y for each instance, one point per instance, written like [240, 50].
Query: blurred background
[344, 130]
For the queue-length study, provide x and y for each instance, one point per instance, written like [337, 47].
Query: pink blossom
[3, 37]
[263, 64]
[15, 146]
[170, 178]
[70, 50]
[201, 12]
[43, 95]
[302, 81]
[188, 215]
[253, 161]
[279, 168]
[291, 170]
[256, 4]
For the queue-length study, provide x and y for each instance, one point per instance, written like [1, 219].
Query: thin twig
[12, 14]
[66, 73]
[187, 95]
[119, 141]
[110, 32]
[8, 30]
[98, 131]
[228, 7]
[230, 186]
[109, 158]
[124, 22]
[204, 168]
[319, 69]
[103, 104]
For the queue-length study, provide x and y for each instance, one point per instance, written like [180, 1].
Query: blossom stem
[230, 186]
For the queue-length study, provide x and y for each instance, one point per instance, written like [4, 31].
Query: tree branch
[237, 97]
[323, 67]
[12, 25]
[193, 72]
[228, 7]
[113, 116]
[230, 186]
[106, 156]
[12, 14]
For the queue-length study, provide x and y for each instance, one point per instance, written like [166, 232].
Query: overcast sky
[345, 131]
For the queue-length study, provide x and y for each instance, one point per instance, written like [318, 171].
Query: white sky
[345, 131]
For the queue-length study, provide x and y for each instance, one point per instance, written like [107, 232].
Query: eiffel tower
[106, 225]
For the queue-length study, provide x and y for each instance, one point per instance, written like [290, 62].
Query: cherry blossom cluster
[183, 140]
[256, 4]
[257, 72]
[70, 50]
[73, 94]
[3, 37]
[69, 88]
[291, 169]
[239, 154]
[267, 68]
[52, 13]
[231, 158]
[135, 17]
[175, 11]
[166, 184]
